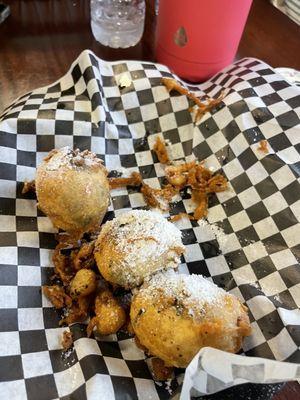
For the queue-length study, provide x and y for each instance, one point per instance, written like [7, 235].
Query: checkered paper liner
[259, 213]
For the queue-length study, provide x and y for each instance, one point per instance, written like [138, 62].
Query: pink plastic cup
[197, 38]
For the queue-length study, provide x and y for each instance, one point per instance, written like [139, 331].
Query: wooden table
[41, 38]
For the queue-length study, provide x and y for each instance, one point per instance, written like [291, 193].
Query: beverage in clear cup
[117, 23]
[197, 38]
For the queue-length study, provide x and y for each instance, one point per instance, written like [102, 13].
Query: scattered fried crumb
[161, 151]
[263, 146]
[109, 314]
[158, 198]
[202, 106]
[65, 241]
[177, 175]
[84, 258]
[200, 179]
[62, 266]
[218, 183]
[56, 294]
[135, 179]
[78, 311]
[181, 215]
[201, 200]
[159, 370]
[67, 340]
[29, 186]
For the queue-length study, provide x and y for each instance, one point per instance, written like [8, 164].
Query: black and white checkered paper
[260, 215]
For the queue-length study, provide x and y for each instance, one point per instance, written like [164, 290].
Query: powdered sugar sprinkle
[144, 238]
[192, 291]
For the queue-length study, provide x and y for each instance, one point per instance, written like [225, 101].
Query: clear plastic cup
[118, 23]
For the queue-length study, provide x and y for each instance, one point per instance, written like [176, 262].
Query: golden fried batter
[67, 340]
[78, 311]
[175, 315]
[57, 295]
[29, 186]
[83, 283]
[158, 198]
[110, 316]
[134, 179]
[62, 266]
[84, 258]
[136, 244]
[263, 147]
[159, 370]
[161, 151]
[72, 190]
[177, 217]
[200, 179]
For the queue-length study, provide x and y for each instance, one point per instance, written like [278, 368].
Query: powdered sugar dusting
[192, 291]
[218, 232]
[70, 159]
[145, 239]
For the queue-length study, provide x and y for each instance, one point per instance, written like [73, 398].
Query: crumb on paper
[181, 215]
[159, 371]
[201, 200]
[56, 294]
[201, 180]
[194, 176]
[67, 340]
[124, 80]
[28, 186]
[158, 198]
[134, 179]
[201, 106]
[263, 147]
[161, 151]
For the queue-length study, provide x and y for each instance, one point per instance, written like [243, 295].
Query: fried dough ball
[72, 190]
[83, 283]
[175, 315]
[134, 245]
[110, 316]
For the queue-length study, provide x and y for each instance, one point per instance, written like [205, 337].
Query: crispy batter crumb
[263, 146]
[181, 215]
[201, 200]
[161, 151]
[135, 179]
[67, 340]
[84, 258]
[78, 311]
[200, 179]
[202, 106]
[177, 175]
[29, 186]
[158, 198]
[110, 315]
[159, 370]
[62, 266]
[57, 295]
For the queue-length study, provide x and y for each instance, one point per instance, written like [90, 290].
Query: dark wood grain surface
[41, 38]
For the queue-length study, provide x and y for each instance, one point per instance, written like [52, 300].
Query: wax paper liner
[117, 109]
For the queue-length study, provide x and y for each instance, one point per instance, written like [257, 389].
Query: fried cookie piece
[73, 190]
[175, 315]
[136, 244]
[110, 316]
